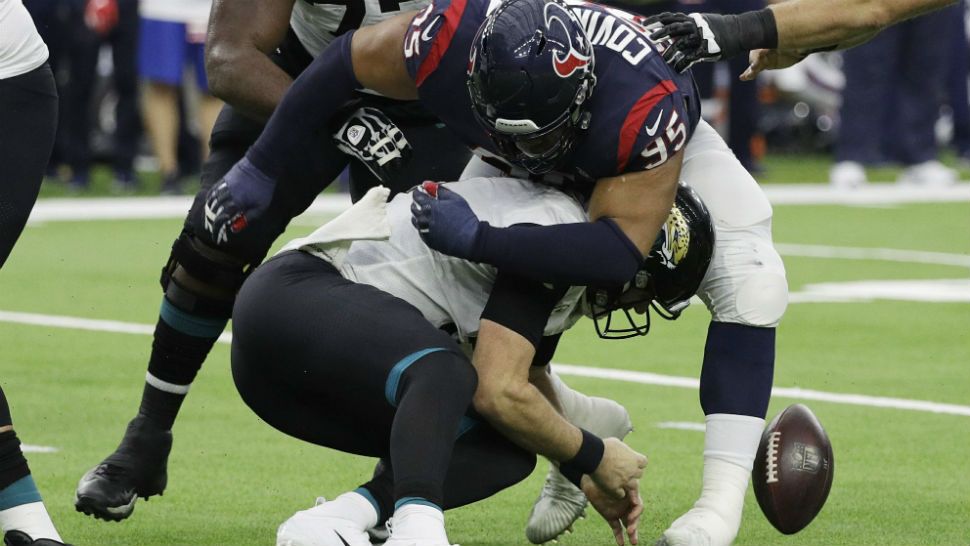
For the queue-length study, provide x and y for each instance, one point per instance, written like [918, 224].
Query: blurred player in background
[255, 49]
[172, 38]
[28, 120]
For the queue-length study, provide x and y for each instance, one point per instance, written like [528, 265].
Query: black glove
[712, 37]
[375, 140]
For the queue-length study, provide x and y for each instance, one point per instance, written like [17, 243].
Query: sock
[182, 342]
[13, 465]
[380, 492]
[730, 446]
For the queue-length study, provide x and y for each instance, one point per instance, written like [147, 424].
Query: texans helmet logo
[566, 64]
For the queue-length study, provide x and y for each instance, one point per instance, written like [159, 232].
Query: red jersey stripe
[442, 40]
[635, 119]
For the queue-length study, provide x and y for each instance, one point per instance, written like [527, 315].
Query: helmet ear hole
[541, 42]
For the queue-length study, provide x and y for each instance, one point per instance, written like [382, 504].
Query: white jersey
[194, 13]
[318, 23]
[21, 47]
[445, 289]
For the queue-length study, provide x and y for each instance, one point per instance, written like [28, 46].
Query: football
[793, 470]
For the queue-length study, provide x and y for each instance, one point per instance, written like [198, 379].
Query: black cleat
[20, 538]
[138, 468]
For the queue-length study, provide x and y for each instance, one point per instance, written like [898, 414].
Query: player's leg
[347, 366]
[23, 517]
[199, 286]
[746, 291]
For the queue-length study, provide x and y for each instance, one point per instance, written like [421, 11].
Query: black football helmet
[530, 71]
[668, 278]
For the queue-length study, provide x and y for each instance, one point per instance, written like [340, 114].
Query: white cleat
[561, 503]
[321, 525]
[698, 527]
[417, 525]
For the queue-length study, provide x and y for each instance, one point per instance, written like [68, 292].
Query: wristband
[586, 460]
[739, 33]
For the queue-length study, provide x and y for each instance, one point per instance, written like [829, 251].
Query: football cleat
[561, 503]
[698, 527]
[20, 538]
[417, 525]
[321, 525]
[138, 468]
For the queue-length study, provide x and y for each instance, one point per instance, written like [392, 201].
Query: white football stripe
[628, 376]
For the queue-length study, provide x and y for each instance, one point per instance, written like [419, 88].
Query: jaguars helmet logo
[675, 237]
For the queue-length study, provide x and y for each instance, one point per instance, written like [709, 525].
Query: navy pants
[893, 91]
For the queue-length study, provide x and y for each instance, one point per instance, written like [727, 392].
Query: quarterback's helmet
[530, 71]
[668, 278]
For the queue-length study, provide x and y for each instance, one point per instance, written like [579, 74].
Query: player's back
[632, 81]
[445, 289]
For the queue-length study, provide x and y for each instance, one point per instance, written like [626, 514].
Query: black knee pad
[208, 268]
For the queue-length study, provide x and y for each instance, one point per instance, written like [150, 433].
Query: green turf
[901, 476]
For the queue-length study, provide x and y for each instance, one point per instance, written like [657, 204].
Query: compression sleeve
[305, 110]
[574, 254]
[522, 305]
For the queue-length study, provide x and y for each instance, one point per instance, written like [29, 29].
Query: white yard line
[27, 448]
[879, 254]
[626, 376]
[134, 208]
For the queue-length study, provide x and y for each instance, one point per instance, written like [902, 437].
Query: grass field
[902, 476]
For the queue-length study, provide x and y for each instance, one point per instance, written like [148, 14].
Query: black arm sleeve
[546, 350]
[522, 305]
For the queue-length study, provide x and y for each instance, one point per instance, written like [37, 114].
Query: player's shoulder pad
[429, 35]
[655, 129]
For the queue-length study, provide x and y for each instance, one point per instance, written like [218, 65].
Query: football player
[574, 94]
[783, 33]
[255, 49]
[306, 360]
[28, 100]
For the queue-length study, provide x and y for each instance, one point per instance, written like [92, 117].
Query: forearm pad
[744, 32]
[575, 254]
[307, 108]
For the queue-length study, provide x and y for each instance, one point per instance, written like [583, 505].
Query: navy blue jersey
[642, 111]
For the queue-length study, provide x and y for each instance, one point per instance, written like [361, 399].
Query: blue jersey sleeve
[429, 36]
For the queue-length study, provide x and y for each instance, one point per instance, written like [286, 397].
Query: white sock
[419, 522]
[730, 446]
[31, 518]
[354, 507]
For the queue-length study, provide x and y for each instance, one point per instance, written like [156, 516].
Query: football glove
[445, 221]
[695, 38]
[375, 140]
[237, 200]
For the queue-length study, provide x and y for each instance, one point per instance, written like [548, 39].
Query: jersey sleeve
[429, 35]
[655, 128]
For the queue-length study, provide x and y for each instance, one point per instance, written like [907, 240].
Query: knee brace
[207, 280]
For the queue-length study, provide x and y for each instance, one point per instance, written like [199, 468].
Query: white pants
[745, 283]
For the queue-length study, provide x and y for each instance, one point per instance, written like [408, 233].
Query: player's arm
[787, 31]
[626, 213]
[242, 33]
[371, 57]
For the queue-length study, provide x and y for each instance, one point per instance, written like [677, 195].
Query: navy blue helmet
[669, 277]
[530, 71]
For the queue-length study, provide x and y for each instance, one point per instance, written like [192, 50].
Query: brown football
[793, 471]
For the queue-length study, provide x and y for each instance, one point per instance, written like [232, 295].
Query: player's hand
[444, 220]
[693, 38]
[620, 467]
[234, 202]
[769, 59]
[622, 515]
[375, 140]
